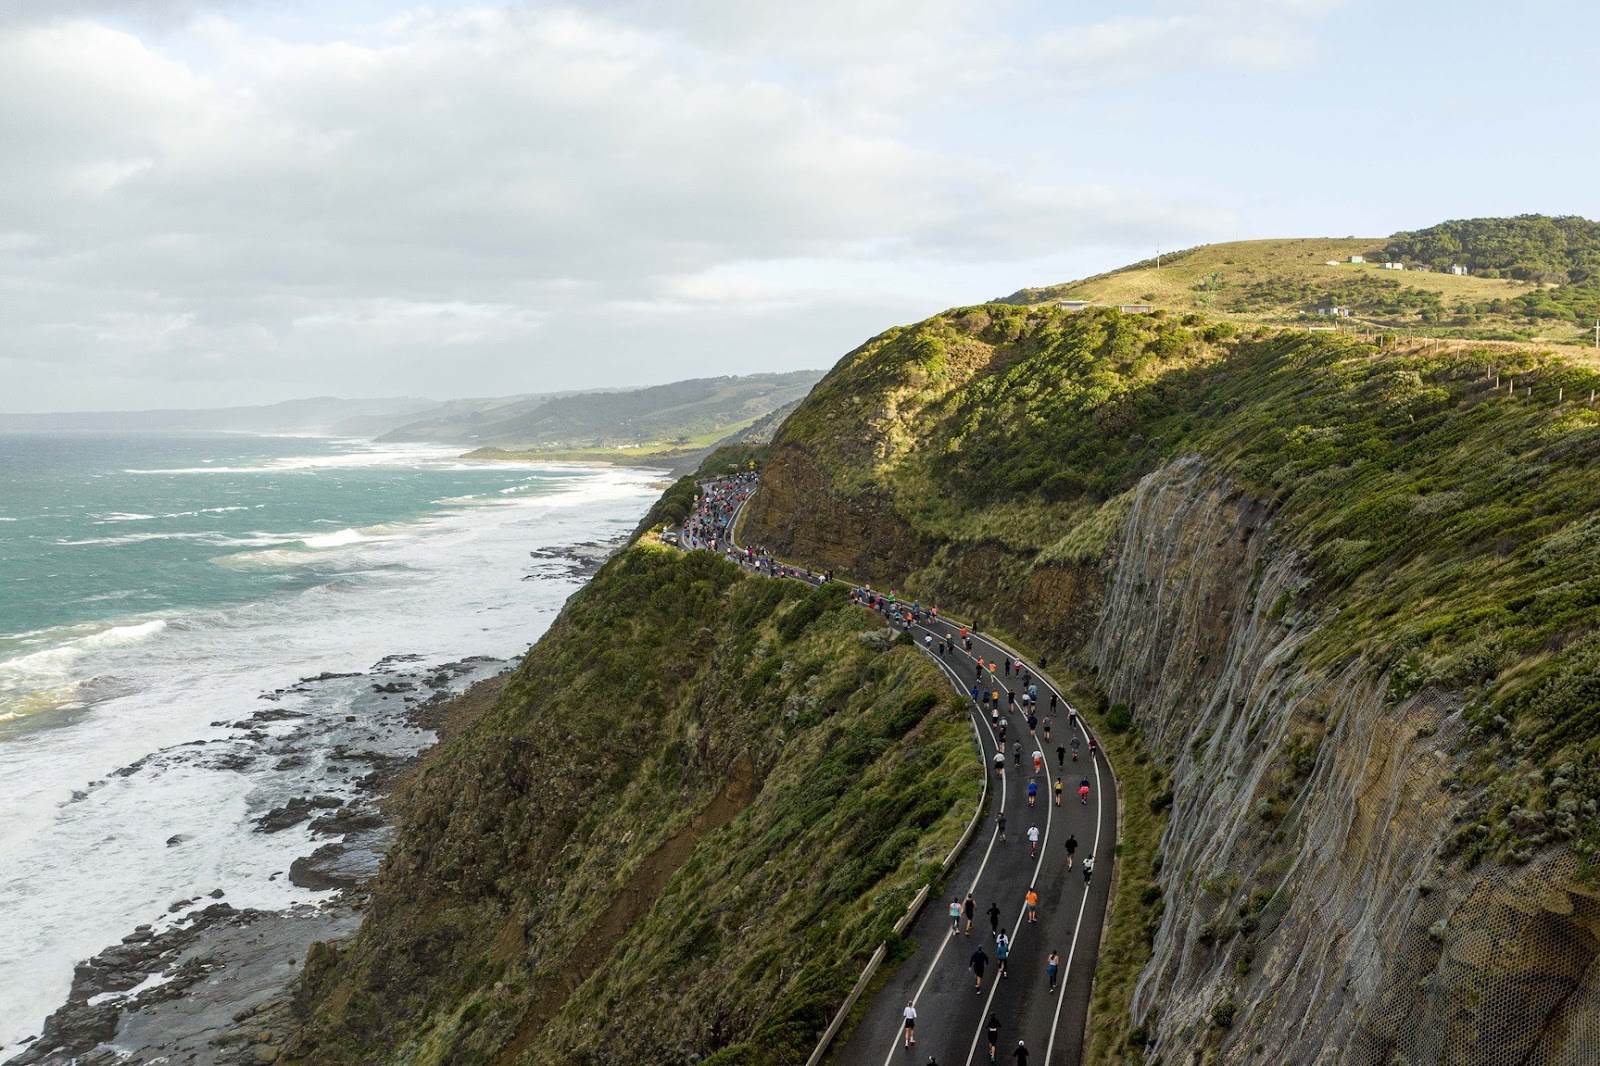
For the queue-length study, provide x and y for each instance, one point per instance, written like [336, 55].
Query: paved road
[951, 1015]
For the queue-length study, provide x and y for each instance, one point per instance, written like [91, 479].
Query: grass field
[1277, 281]
[662, 454]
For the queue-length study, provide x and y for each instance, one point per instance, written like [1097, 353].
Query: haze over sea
[153, 588]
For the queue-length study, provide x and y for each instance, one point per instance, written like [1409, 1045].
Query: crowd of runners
[1001, 687]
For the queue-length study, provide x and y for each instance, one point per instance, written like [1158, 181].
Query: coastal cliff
[1332, 605]
[1341, 595]
[1312, 897]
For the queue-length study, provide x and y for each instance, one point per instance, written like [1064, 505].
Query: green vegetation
[656, 421]
[1540, 248]
[1137, 905]
[1447, 524]
[675, 505]
[683, 453]
[1562, 254]
[699, 805]
[1533, 278]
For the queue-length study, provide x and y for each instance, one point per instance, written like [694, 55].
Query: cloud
[526, 190]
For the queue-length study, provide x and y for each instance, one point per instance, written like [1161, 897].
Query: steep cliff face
[1352, 597]
[1306, 867]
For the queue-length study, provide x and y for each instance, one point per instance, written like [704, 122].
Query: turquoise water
[101, 528]
[154, 589]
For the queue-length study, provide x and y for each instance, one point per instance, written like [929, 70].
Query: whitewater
[154, 590]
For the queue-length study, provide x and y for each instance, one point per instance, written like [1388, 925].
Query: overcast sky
[240, 202]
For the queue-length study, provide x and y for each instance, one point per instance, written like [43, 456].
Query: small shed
[1134, 309]
[1072, 305]
[1459, 270]
[1356, 259]
[1333, 312]
[1392, 266]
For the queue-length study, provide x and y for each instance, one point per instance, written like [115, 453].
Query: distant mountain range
[660, 414]
[682, 413]
[319, 415]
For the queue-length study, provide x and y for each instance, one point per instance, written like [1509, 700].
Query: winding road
[953, 1017]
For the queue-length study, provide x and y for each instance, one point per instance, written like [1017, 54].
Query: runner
[977, 963]
[1033, 793]
[1000, 820]
[1002, 952]
[1016, 753]
[1032, 899]
[1052, 966]
[994, 918]
[1074, 743]
[1038, 760]
[1088, 868]
[999, 762]
[994, 1035]
[1094, 747]
[1033, 843]
[910, 1014]
[1021, 1054]
[1058, 792]
[1071, 846]
[969, 907]
[1061, 756]
[1083, 792]
[1049, 719]
[1033, 722]
[1052, 703]
[955, 916]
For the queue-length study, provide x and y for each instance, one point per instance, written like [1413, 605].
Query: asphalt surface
[952, 1016]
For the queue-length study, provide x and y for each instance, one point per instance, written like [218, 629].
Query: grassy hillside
[1449, 526]
[680, 416]
[692, 814]
[1533, 278]
[985, 460]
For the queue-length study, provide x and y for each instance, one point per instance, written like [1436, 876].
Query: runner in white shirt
[910, 1014]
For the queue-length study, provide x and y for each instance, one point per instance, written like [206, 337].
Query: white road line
[978, 876]
[1075, 722]
[1099, 822]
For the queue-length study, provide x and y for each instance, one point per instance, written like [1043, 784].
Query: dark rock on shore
[211, 987]
[294, 812]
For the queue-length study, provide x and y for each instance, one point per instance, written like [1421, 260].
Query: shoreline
[215, 986]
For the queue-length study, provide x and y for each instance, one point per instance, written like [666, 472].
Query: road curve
[952, 1016]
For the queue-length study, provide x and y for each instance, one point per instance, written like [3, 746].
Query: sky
[243, 201]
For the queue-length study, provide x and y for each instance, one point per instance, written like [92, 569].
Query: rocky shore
[208, 983]
[205, 986]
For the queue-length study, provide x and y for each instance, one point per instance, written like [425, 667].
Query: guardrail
[870, 970]
[912, 910]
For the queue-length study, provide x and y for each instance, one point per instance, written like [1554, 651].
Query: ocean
[155, 590]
